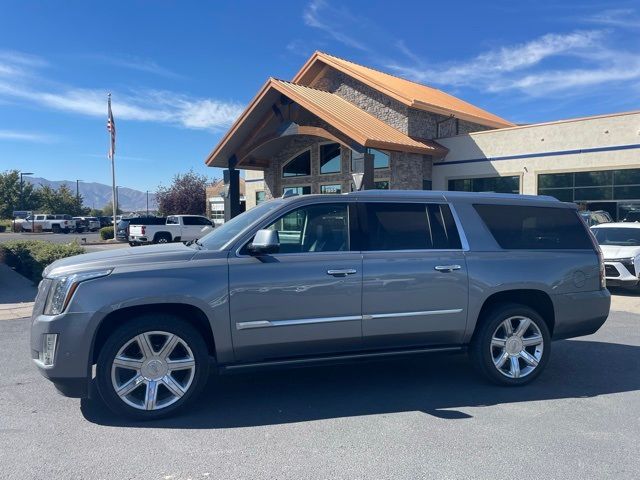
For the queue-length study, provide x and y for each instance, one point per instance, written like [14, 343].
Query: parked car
[632, 216]
[122, 232]
[620, 245]
[596, 217]
[178, 228]
[105, 221]
[323, 278]
[56, 223]
[87, 224]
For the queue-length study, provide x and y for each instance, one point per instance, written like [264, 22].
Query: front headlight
[63, 287]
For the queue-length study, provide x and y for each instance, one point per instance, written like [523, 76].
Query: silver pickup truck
[323, 278]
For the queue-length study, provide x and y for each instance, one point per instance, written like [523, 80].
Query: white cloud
[141, 105]
[323, 16]
[617, 17]
[32, 137]
[524, 67]
[491, 64]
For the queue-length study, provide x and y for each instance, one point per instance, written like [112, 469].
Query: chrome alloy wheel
[153, 370]
[516, 347]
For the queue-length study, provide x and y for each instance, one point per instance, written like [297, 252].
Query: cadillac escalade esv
[322, 278]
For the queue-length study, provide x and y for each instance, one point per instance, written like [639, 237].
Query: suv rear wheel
[152, 367]
[512, 345]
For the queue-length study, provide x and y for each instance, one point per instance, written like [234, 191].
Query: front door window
[314, 228]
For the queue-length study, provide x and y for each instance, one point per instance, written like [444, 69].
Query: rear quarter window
[517, 227]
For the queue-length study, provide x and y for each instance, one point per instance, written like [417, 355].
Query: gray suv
[322, 278]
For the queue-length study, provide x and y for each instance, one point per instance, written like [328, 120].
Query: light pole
[78, 194]
[147, 203]
[23, 174]
[115, 207]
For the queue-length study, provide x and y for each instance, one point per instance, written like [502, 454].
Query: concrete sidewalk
[16, 294]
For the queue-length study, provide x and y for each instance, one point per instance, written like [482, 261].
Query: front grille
[611, 271]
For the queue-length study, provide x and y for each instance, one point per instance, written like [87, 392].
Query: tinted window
[330, 158]
[520, 227]
[173, 221]
[195, 221]
[408, 226]
[314, 228]
[298, 166]
[305, 190]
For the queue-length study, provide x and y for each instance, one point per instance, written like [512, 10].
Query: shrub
[106, 233]
[31, 257]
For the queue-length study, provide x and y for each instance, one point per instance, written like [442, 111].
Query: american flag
[111, 127]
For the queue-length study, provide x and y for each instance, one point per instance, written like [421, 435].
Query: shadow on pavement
[437, 385]
[624, 292]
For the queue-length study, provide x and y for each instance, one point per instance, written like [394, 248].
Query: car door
[415, 286]
[195, 227]
[305, 299]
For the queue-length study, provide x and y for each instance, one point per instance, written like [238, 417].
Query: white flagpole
[113, 173]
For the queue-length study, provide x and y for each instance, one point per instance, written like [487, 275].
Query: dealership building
[336, 118]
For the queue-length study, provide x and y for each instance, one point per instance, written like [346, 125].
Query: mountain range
[97, 195]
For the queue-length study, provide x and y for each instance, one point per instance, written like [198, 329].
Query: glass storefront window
[260, 197]
[298, 166]
[486, 184]
[304, 190]
[380, 159]
[591, 186]
[330, 160]
[381, 184]
[593, 179]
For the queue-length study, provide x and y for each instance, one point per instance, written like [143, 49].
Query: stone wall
[364, 97]
[412, 121]
[408, 170]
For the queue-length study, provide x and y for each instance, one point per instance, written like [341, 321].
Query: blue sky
[180, 72]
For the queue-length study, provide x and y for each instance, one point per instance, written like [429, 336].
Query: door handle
[447, 268]
[342, 273]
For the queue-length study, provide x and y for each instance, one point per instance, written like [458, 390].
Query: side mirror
[265, 242]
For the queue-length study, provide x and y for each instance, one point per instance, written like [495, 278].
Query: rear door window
[407, 226]
[517, 227]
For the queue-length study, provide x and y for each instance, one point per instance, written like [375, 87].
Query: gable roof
[354, 123]
[410, 93]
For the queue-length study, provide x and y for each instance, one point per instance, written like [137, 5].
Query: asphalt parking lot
[424, 417]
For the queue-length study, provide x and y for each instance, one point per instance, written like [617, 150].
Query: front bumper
[71, 369]
[618, 274]
[581, 313]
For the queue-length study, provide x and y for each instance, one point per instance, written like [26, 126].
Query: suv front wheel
[152, 366]
[512, 345]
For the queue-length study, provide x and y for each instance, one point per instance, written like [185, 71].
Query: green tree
[107, 210]
[60, 200]
[10, 194]
[186, 195]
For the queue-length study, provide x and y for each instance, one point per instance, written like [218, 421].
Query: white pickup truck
[55, 223]
[178, 228]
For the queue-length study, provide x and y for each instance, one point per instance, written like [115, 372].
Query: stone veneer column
[407, 171]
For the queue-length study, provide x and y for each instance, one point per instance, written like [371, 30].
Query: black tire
[482, 353]
[56, 228]
[162, 237]
[137, 326]
[134, 244]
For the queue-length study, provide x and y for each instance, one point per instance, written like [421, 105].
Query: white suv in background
[620, 245]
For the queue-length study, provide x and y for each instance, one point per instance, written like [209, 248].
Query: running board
[336, 358]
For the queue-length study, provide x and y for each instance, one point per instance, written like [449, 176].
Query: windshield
[220, 236]
[617, 236]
